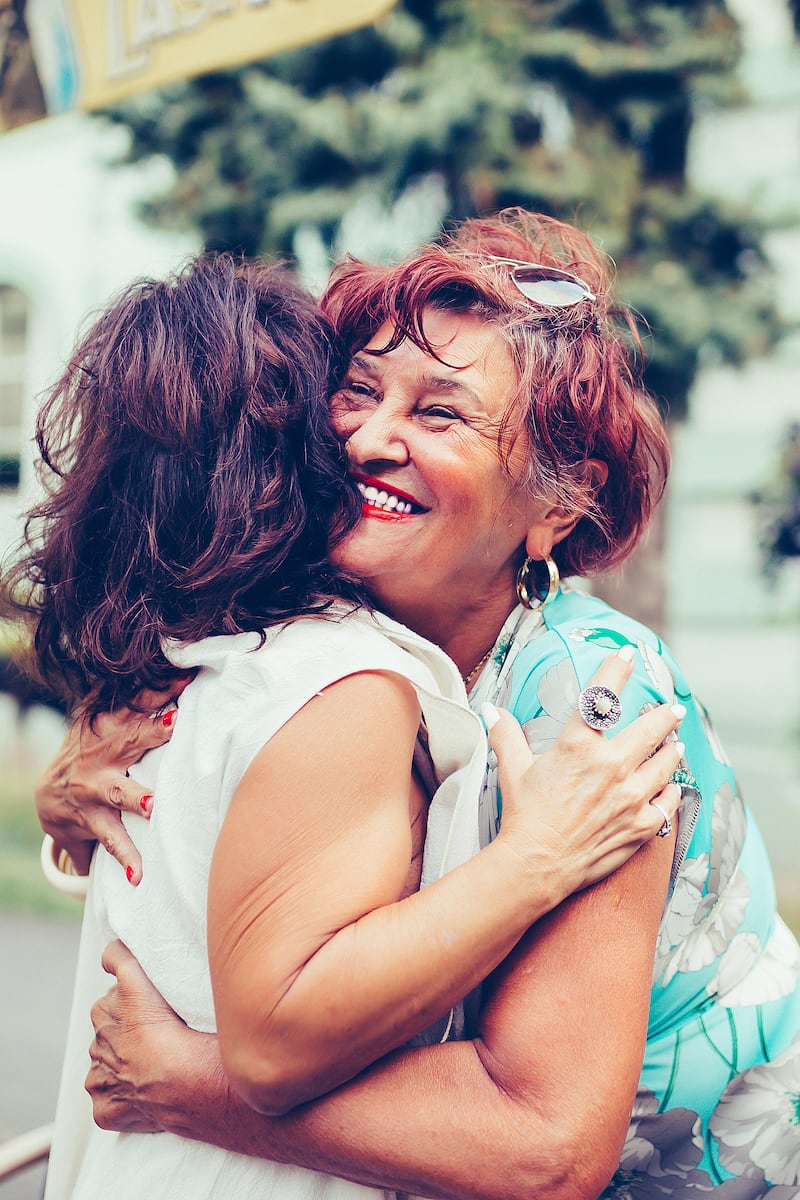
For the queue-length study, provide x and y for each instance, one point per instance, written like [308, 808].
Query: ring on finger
[600, 707]
[666, 828]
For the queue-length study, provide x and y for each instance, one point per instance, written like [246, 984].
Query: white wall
[69, 239]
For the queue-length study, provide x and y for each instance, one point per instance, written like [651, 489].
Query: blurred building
[69, 238]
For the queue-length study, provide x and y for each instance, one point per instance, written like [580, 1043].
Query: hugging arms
[496, 433]
[328, 882]
[504, 1121]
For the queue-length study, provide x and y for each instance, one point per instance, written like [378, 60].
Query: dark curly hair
[193, 480]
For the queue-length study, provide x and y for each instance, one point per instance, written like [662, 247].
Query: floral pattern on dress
[728, 832]
[660, 1154]
[714, 1117]
[558, 698]
[757, 1120]
[710, 898]
[737, 983]
[657, 670]
[712, 737]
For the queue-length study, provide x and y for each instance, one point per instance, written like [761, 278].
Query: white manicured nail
[490, 714]
[679, 711]
[626, 652]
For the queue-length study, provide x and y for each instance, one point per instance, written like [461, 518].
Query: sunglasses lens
[553, 292]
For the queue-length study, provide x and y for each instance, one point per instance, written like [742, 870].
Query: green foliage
[580, 108]
[778, 506]
[9, 472]
[22, 883]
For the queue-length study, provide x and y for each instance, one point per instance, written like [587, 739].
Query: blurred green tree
[579, 108]
[778, 506]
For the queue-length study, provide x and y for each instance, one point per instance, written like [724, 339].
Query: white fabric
[239, 699]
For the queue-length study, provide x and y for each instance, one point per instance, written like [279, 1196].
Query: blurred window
[14, 316]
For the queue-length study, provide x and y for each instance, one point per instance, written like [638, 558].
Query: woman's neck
[466, 634]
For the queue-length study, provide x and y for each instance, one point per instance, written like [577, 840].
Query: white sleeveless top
[241, 697]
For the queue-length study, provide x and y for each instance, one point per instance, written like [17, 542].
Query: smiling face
[445, 521]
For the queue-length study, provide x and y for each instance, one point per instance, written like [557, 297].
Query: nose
[377, 436]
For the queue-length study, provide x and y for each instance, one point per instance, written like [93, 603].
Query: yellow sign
[92, 53]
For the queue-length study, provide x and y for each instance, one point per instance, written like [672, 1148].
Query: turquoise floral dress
[717, 1112]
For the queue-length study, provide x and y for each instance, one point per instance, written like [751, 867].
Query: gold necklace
[480, 663]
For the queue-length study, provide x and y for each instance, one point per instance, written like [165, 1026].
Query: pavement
[38, 956]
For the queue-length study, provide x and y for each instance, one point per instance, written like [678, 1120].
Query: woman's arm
[318, 967]
[81, 794]
[537, 1105]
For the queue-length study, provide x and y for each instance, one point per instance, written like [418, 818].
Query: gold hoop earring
[537, 601]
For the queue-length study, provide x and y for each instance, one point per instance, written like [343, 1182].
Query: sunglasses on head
[547, 286]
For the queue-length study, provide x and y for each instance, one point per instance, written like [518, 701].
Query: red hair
[579, 396]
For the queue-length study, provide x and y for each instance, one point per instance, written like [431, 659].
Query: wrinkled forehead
[451, 348]
[448, 338]
[459, 359]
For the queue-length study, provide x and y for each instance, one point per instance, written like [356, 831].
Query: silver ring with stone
[666, 828]
[600, 707]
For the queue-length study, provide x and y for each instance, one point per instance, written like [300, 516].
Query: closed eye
[438, 412]
[360, 389]
[353, 394]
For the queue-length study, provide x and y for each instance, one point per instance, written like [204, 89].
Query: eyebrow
[433, 383]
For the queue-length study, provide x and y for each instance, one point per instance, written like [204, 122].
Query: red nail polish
[146, 802]
[168, 718]
[129, 874]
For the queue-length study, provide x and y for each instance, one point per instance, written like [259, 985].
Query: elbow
[555, 1140]
[273, 1085]
[267, 1060]
[572, 1177]
[271, 1093]
[564, 1157]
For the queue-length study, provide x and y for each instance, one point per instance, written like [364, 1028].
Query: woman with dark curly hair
[195, 483]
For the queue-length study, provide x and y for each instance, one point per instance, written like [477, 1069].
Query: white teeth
[379, 498]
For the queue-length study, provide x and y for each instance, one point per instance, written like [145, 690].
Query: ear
[552, 524]
[550, 529]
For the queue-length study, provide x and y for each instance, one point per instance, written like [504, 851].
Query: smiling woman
[427, 432]
[492, 379]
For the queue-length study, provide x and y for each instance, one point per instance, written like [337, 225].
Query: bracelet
[60, 871]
